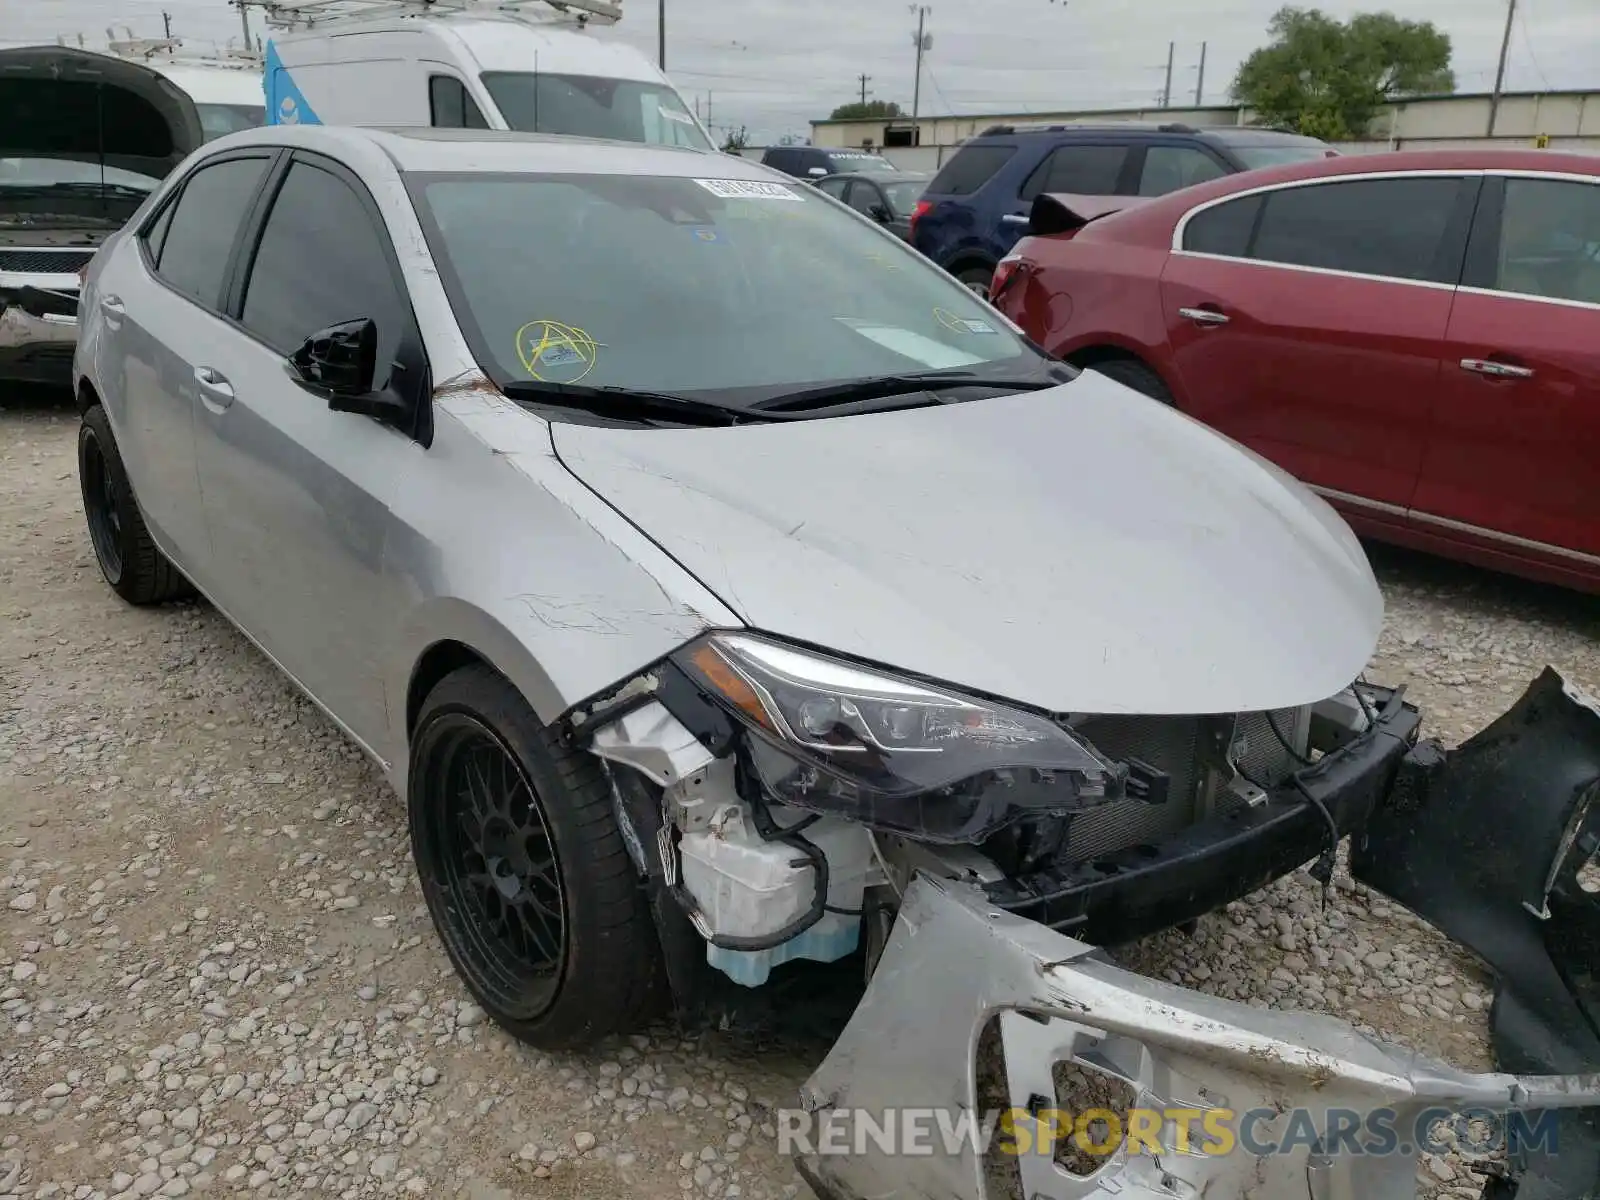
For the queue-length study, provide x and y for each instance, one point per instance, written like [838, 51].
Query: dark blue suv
[977, 206]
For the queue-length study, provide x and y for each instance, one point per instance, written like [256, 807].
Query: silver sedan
[721, 584]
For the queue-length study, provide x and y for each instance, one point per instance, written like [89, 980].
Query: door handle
[1496, 370]
[1014, 219]
[215, 391]
[113, 309]
[1204, 316]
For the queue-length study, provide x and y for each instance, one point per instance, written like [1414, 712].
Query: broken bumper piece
[954, 961]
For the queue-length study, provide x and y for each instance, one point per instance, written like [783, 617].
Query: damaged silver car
[85, 138]
[724, 586]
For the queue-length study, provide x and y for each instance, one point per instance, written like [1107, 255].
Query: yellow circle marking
[950, 321]
[555, 346]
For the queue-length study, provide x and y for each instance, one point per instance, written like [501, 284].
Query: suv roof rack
[1098, 126]
[303, 14]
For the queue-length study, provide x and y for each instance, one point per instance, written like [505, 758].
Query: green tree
[737, 140]
[1328, 78]
[871, 110]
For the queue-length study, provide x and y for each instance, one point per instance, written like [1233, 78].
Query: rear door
[161, 299]
[1516, 433]
[1307, 322]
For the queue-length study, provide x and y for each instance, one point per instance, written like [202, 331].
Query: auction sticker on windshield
[747, 189]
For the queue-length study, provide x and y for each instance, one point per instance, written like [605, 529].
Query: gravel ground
[216, 973]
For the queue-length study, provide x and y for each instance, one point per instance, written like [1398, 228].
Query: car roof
[883, 176]
[1386, 162]
[491, 151]
[1136, 129]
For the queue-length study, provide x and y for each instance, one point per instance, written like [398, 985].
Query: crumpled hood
[1081, 549]
[60, 102]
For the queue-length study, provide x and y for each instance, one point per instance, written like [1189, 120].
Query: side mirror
[818, 172]
[339, 364]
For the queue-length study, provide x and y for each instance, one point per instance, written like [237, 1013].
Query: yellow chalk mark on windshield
[565, 351]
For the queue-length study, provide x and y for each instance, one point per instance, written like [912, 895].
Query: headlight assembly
[830, 736]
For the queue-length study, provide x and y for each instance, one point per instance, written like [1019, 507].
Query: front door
[1307, 321]
[1516, 436]
[297, 496]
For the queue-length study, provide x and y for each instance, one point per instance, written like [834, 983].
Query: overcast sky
[773, 65]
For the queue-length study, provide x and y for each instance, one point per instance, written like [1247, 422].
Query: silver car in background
[720, 584]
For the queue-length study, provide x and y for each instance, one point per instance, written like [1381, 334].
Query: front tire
[129, 559]
[524, 870]
[1130, 372]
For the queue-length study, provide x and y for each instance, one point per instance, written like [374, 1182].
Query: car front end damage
[783, 804]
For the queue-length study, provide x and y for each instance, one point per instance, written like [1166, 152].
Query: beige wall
[1570, 120]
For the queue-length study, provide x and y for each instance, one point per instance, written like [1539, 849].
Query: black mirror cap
[339, 362]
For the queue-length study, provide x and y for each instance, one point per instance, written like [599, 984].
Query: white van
[526, 65]
[227, 95]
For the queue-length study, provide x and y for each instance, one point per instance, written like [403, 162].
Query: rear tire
[524, 871]
[129, 558]
[1130, 372]
[977, 279]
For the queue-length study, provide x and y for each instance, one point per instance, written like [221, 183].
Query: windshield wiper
[74, 187]
[628, 404]
[918, 390]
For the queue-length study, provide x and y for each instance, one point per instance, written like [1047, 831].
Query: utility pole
[923, 43]
[1200, 80]
[661, 35]
[1500, 72]
[1166, 92]
[708, 109]
[865, 79]
[166, 23]
[244, 20]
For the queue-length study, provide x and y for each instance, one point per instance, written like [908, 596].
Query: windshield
[869, 164]
[218, 120]
[623, 110]
[903, 196]
[747, 289]
[54, 172]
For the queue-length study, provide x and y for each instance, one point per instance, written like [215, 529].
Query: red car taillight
[1008, 273]
[919, 210]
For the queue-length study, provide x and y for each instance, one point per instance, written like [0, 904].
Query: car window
[321, 261]
[834, 187]
[451, 107]
[594, 106]
[1225, 229]
[1550, 240]
[970, 169]
[1168, 168]
[219, 120]
[156, 235]
[1388, 227]
[904, 194]
[741, 287]
[863, 198]
[193, 255]
[1077, 171]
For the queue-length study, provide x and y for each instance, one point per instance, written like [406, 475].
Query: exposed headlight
[831, 736]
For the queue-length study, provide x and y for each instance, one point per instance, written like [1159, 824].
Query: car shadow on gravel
[1477, 588]
[34, 398]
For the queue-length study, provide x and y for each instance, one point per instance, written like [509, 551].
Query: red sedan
[1416, 335]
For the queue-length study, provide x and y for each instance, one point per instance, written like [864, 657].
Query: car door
[1515, 446]
[1078, 168]
[298, 496]
[160, 302]
[1307, 321]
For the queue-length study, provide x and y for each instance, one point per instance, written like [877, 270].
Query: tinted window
[864, 198]
[1078, 171]
[834, 187]
[158, 232]
[199, 239]
[450, 107]
[781, 160]
[1168, 168]
[321, 261]
[1550, 240]
[904, 194]
[970, 169]
[1390, 227]
[219, 120]
[1225, 229]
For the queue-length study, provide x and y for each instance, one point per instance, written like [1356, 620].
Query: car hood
[58, 102]
[1080, 549]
